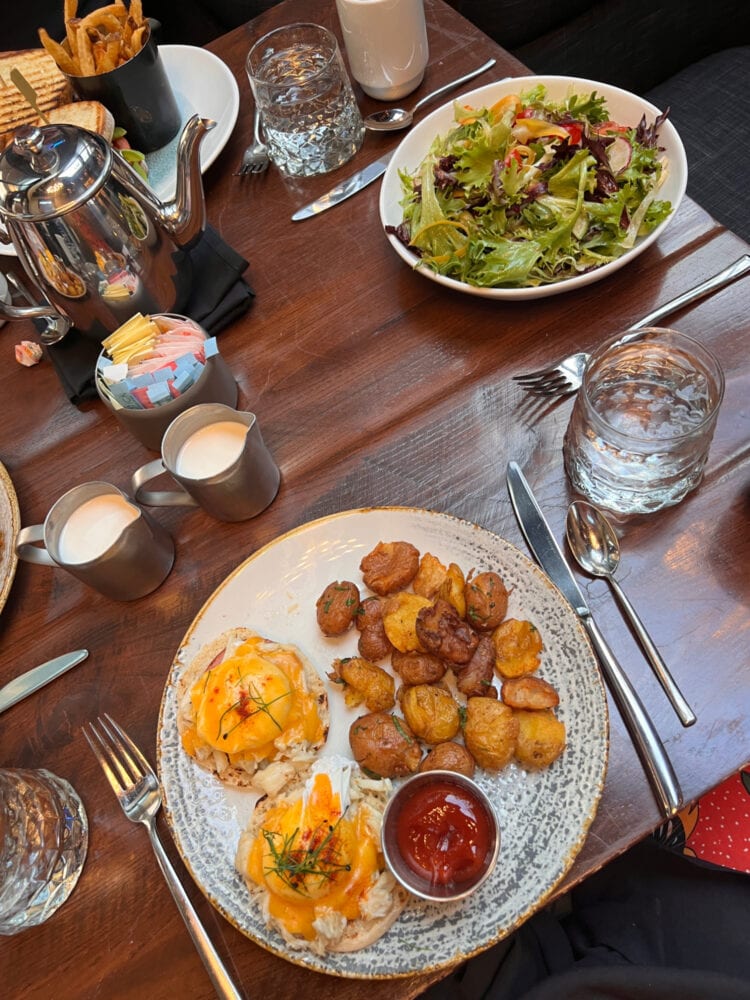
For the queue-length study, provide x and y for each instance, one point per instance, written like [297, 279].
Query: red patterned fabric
[717, 826]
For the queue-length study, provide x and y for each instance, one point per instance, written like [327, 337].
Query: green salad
[531, 191]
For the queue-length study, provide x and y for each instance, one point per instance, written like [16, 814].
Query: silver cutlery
[137, 789]
[566, 377]
[547, 553]
[359, 180]
[595, 546]
[255, 159]
[32, 680]
[394, 119]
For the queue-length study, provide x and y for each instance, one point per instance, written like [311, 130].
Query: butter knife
[377, 168]
[547, 553]
[32, 680]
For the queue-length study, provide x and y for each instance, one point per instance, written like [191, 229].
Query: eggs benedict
[312, 858]
[252, 711]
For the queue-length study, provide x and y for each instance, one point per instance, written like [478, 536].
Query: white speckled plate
[10, 523]
[202, 84]
[544, 817]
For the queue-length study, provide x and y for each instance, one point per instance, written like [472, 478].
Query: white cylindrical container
[386, 43]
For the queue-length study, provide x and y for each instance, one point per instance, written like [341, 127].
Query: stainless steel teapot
[96, 241]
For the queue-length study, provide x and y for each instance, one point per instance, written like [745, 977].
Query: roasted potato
[373, 643]
[541, 738]
[486, 601]
[430, 576]
[531, 693]
[364, 682]
[337, 606]
[518, 645]
[441, 632]
[449, 757]
[452, 589]
[490, 732]
[477, 676]
[418, 668]
[383, 744]
[390, 566]
[400, 620]
[431, 712]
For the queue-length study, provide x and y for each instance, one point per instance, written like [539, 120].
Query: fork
[566, 377]
[137, 788]
[255, 159]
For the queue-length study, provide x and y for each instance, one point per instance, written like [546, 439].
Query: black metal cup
[139, 97]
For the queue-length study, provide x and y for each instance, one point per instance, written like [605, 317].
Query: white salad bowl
[623, 107]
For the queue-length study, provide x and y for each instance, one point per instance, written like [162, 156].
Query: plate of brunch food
[10, 524]
[331, 666]
[532, 186]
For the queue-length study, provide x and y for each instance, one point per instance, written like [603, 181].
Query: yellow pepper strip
[524, 155]
[510, 101]
[442, 258]
[526, 129]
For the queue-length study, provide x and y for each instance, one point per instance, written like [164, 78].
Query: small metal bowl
[399, 812]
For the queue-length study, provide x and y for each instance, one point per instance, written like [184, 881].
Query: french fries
[99, 42]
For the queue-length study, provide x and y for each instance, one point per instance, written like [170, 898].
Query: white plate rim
[416, 143]
[219, 804]
[198, 71]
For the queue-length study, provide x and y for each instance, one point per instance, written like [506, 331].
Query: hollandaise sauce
[249, 704]
[312, 858]
[444, 834]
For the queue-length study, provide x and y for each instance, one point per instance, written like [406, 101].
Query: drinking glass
[43, 842]
[310, 118]
[643, 420]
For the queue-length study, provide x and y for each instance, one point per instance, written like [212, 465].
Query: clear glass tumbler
[643, 420]
[310, 117]
[43, 842]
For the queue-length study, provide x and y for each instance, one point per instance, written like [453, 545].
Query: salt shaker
[386, 43]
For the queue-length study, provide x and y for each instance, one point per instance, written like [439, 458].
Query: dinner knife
[547, 553]
[377, 168]
[32, 680]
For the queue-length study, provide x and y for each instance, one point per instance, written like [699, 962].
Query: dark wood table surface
[373, 386]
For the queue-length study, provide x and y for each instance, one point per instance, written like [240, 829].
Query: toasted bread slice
[272, 767]
[90, 115]
[40, 70]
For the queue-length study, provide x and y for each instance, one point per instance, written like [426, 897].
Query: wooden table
[373, 386]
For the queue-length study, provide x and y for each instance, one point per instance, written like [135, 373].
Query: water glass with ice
[98, 535]
[643, 420]
[310, 117]
[43, 842]
[218, 458]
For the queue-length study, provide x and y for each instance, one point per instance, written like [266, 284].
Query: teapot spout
[185, 216]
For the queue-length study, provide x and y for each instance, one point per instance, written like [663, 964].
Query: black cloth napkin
[218, 296]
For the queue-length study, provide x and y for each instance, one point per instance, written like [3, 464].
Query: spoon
[392, 119]
[594, 544]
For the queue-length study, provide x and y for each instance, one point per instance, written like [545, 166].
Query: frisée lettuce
[530, 191]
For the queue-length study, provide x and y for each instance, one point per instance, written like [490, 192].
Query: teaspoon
[392, 119]
[594, 544]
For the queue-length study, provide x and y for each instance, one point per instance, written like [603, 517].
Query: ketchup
[444, 834]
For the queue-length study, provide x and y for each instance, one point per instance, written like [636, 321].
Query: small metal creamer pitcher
[96, 241]
[235, 490]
